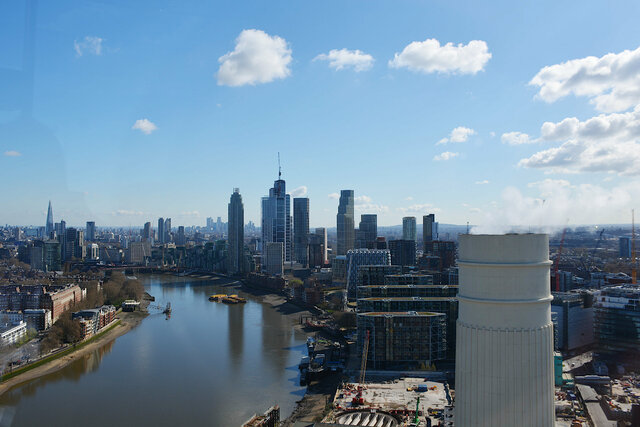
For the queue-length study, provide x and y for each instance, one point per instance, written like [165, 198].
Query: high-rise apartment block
[236, 233]
[403, 252]
[161, 230]
[360, 257]
[345, 222]
[625, 247]
[276, 218]
[367, 232]
[273, 260]
[301, 230]
[409, 228]
[428, 229]
[90, 233]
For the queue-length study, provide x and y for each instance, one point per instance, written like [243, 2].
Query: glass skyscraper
[345, 220]
[276, 218]
[236, 233]
[301, 229]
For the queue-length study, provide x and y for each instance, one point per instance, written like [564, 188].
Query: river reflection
[210, 364]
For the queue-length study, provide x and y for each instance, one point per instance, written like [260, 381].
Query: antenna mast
[279, 169]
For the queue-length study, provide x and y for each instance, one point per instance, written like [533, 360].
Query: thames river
[210, 364]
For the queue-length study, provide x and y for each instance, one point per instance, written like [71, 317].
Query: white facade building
[11, 334]
[504, 355]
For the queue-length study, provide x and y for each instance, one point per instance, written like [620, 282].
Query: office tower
[322, 232]
[181, 239]
[359, 257]
[427, 229]
[161, 230]
[367, 231]
[504, 347]
[209, 223]
[52, 256]
[625, 247]
[276, 218]
[315, 251]
[274, 258]
[617, 324]
[300, 229]
[219, 225]
[409, 228]
[146, 232]
[49, 225]
[167, 230]
[236, 233]
[345, 222]
[90, 235]
[403, 252]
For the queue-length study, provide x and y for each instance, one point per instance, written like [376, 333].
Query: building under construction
[617, 324]
[403, 340]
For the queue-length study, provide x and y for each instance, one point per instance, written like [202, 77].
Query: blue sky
[216, 103]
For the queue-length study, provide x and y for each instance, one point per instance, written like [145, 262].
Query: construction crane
[365, 354]
[555, 269]
[593, 253]
[633, 247]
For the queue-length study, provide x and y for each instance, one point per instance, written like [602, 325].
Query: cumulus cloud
[483, 182]
[257, 58]
[605, 143]
[191, 214]
[334, 196]
[145, 126]
[430, 57]
[340, 59]
[516, 138]
[612, 81]
[447, 155]
[89, 45]
[459, 134]
[299, 192]
[12, 153]
[362, 199]
[555, 203]
[418, 208]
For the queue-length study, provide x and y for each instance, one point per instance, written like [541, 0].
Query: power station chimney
[504, 348]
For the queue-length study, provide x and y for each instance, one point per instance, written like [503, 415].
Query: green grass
[60, 354]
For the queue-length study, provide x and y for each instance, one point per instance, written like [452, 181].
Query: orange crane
[555, 269]
[358, 399]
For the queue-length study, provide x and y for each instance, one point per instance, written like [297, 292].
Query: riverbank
[126, 321]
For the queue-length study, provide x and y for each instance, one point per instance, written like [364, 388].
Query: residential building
[322, 232]
[409, 228]
[345, 222]
[168, 237]
[301, 230]
[428, 232]
[146, 232]
[403, 252]
[617, 324]
[574, 315]
[625, 247]
[367, 232]
[161, 230]
[11, 334]
[90, 233]
[276, 218]
[273, 263]
[360, 257]
[236, 233]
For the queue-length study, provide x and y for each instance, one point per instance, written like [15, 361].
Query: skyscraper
[409, 228]
[322, 232]
[236, 233]
[301, 229]
[146, 232]
[161, 230]
[167, 230]
[427, 229]
[367, 231]
[91, 231]
[49, 225]
[276, 218]
[345, 222]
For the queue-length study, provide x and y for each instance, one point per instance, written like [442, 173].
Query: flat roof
[401, 314]
[408, 299]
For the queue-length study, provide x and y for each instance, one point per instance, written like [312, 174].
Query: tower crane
[633, 248]
[358, 399]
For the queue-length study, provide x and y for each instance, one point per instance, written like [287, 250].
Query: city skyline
[523, 150]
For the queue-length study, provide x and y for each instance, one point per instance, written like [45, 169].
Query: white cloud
[334, 196]
[483, 182]
[409, 198]
[612, 82]
[459, 134]
[447, 155]
[257, 58]
[12, 153]
[430, 57]
[124, 212]
[492, 134]
[517, 138]
[191, 214]
[145, 126]
[371, 208]
[90, 44]
[299, 192]
[418, 208]
[475, 210]
[605, 143]
[556, 203]
[362, 199]
[345, 58]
